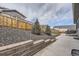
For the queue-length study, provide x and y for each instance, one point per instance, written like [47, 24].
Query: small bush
[48, 30]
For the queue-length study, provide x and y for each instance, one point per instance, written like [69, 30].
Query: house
[43, 28]
[64, 28]
[13, 19]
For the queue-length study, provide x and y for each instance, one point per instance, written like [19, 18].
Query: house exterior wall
[28, 26]
[14, 22]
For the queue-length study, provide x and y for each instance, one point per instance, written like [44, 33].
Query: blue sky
[54, 14]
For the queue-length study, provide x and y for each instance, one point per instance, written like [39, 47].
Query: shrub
[36, 28]
[48, 30]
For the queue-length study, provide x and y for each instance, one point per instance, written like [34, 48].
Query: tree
[48, 30]
[36, 28]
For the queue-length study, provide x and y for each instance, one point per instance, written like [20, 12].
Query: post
[77, 28]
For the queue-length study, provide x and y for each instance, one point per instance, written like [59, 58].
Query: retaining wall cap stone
[38, 41]
[47, 40]
[14, 45]
[52, 39]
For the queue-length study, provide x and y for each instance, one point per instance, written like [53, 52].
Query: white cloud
[55, 12]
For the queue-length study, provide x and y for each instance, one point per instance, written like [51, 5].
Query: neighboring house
[65, 28]
[43, 27]
[13, 19]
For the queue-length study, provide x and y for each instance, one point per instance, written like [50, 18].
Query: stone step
[25, 48]
[13, 48]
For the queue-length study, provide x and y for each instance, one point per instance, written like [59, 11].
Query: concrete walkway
[62, 47]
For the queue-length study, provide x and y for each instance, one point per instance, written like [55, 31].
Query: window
[14, 23]
[1, 20]
[5, 20]
[8, 21]
[21, 25]
[29, 26]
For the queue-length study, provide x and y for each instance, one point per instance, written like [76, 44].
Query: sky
[53, 14]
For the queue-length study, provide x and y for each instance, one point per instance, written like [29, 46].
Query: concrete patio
[62, 47]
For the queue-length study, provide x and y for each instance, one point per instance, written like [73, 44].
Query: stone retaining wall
[11, 36]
